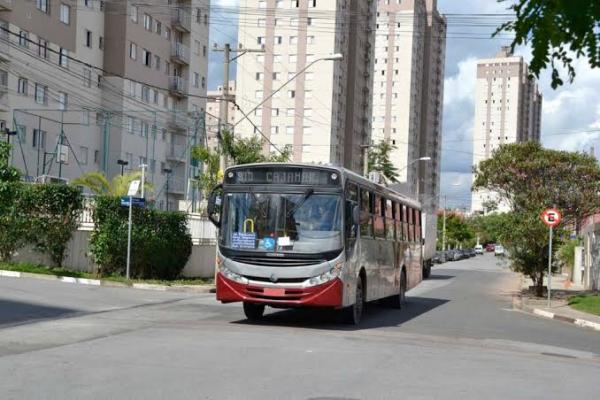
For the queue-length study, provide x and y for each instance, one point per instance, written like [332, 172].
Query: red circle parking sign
[551, 217]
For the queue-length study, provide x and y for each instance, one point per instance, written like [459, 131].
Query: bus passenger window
[366, 221]
[389, 220]
[411, 225]
[405, 224]
[398, 220]
[378, 224]
[417, 226]
[351, 203]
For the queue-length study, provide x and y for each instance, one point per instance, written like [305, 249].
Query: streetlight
[332, 57]
[168, 172]
[143, 167]
[122, 163]
[415, 161]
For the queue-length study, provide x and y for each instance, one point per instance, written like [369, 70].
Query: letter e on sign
[551, 217]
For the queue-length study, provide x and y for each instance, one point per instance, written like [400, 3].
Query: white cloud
[461, 87]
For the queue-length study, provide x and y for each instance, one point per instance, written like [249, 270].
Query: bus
[302, 235]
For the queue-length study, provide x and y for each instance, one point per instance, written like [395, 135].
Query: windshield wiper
[309, 192]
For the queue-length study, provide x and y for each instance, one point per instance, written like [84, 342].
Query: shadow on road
[434, 277]
[375, 316]
[16, 312]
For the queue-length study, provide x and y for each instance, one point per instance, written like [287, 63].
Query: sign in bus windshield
[283, 176]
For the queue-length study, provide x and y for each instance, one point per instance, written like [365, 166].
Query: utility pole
[444, 227]
[224, 105]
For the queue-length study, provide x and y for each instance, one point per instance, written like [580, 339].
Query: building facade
[408, 95]
[89, 83]
[508, 109]
[324, 113]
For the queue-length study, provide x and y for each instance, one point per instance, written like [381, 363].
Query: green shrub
[160, 243]
[15, 218]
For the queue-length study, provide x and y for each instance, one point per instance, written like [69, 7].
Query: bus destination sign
[282, 176]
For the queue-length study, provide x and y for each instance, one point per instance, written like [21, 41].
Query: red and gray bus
[296, 235]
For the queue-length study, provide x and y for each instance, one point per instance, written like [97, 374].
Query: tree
[530, 178]
[240, 151]
[458, 231]
[7, 172]
[557, 30]
[489, 228]
[379, 160]
[99, 184]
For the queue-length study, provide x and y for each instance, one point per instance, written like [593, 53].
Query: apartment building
[508, 108]
[324, 113]
[89, 85]
[213, 112]
[408, 94]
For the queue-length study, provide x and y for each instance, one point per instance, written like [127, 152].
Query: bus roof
[345, 173]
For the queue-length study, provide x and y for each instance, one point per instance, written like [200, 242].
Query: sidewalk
[562, 289]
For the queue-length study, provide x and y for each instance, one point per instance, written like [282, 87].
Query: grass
[586, 303]
[45, 270]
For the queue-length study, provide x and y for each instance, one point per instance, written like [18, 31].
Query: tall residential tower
[507, 110]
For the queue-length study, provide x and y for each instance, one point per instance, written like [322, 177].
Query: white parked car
[479, 249]
[499, 250]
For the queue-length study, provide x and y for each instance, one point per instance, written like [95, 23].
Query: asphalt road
[457, 338]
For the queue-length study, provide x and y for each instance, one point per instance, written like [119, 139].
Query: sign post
[133, 189]
[551, 217]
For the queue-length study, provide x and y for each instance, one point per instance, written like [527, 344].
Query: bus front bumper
[329, 294]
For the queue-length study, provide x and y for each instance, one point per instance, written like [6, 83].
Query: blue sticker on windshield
[243, 240]
[269, 243]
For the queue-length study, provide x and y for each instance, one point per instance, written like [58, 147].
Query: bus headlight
[232, 275]
[328, 276]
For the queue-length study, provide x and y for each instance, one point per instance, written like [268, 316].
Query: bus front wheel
[254, 312]
[353, 314]
[398, 300]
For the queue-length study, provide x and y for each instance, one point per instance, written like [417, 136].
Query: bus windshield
[282, 223]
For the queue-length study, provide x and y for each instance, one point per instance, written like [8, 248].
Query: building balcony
[180, 53]
[176, 185]
[181, 19]
[177, 120]
[177, 86]
[6, 5]
[177, 153]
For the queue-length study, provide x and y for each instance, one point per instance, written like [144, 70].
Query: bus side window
[351, 202]
[417, 226]
[389, 221]
[398, 221]
[366, 221]
[411, 225]
[378, 224]
[404, 224]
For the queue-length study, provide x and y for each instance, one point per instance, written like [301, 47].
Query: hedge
[44, 215]
[160, 243]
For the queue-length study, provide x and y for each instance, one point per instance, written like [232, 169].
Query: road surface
[458, 338]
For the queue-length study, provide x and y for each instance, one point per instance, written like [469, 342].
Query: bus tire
[398, 300]
[426, 270]
[353, 314]
[253, 311]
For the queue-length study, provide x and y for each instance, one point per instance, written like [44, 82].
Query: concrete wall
[201, 263]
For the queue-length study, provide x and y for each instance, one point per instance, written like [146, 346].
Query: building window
[63, 57]
[259, 76]
[145, 129]
[134, 14]
[130, 125]
[24, 39]
[198, 15]
[23, 86]
[278, 39]
[146, 94]
[289, 130]
[291, 94]
[43, 48]
[38, 139]
[43, 6]
[204, 51]
[101, 43]
[260, 40]
[63, 99]
[132, 50]
[65, 14]
[147, 22]
[147, 58]
[203, 82]
[258, 94]
[83, 155]
[275, 112]
[88, 38]
[157, 62]
[158, 28]
[167, 33]
[196, 80]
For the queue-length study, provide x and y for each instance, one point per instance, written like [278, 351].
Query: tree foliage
[7, 172]
[557, 30]
[489, 228]
[530, 178]
[379, 160]
[459, 233]
[99, 184]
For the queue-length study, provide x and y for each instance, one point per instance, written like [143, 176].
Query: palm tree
[99, 184]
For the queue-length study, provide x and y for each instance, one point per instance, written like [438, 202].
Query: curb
[98, 282]
[518, 304]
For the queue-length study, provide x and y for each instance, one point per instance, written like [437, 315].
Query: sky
[570, 114]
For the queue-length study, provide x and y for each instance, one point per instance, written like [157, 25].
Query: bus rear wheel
[254, 312]
[398, 300]
[353, 314]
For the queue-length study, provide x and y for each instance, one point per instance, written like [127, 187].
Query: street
[457, 338]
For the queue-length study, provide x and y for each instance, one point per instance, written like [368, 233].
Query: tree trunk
[539, 285]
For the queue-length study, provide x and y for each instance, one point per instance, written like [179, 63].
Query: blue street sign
[137, 202]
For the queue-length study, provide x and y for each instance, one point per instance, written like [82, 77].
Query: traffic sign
[135, 201]
[133, 188]
[551, 217]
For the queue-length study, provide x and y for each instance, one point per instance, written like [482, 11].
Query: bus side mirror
[215, 201]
